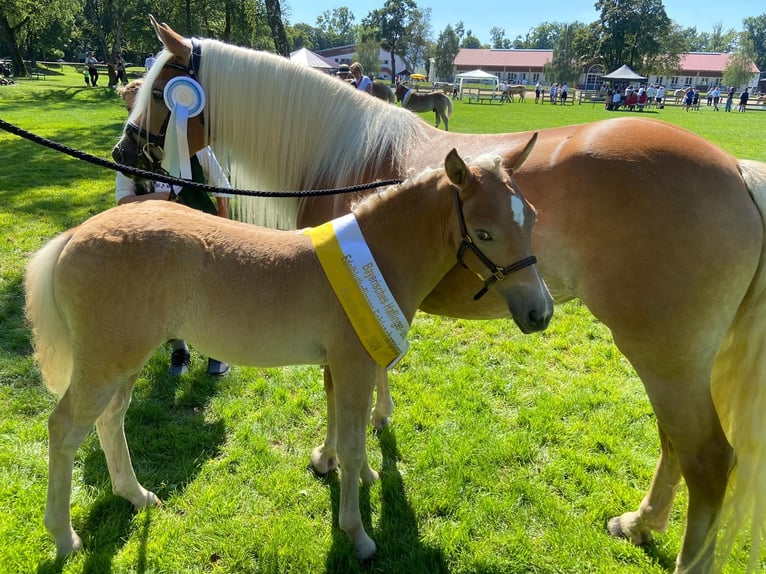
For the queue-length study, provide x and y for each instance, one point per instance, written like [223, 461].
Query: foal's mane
[282, 126]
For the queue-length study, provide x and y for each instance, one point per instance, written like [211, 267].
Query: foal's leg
[384, 405]
[324, 457]
[354, 384]
[654, 511]
[68, 425]
[111, 433]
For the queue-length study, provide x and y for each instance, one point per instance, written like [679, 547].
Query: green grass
[508, 454]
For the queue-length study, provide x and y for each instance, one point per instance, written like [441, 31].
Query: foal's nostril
[117, 154]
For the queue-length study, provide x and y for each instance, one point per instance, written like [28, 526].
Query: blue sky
[518, 17]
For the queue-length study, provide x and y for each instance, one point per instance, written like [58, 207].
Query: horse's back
[158, 270]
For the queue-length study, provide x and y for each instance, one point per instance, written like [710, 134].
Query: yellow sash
[356, 279]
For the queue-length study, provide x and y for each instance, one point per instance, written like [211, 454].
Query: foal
[265, 298]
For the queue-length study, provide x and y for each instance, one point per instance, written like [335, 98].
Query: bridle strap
[191, 70]
[497, 273]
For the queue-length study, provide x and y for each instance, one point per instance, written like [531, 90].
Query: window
[535, 77]
[688, 81]
[660, 80]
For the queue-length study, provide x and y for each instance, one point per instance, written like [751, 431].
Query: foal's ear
[172, 41]
[513, 159]
[456, 170]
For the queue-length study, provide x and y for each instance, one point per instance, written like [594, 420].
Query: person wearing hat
[344, 73]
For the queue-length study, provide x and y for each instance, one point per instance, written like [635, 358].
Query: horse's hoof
[627, 526]
[380, 422]
[365, 548]
[71, 544]
[321, 462]
[369, 476]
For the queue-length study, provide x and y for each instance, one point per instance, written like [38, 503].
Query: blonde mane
[288, 127]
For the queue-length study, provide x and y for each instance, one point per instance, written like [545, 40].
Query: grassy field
[507, 454]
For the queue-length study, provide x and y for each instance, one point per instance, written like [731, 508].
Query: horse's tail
[449, 105]
[53, 348]
[739, 393]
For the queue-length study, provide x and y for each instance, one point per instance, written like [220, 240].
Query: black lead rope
[127, 170]
[498, 273]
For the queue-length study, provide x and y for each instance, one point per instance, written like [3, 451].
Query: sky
[517, 17]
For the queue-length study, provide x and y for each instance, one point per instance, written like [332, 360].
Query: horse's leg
[687, 415]
[68, 425]
[654, 510]
[384, 405]
[111, 433]
[324, 458]
[438, 117]
[354, 384]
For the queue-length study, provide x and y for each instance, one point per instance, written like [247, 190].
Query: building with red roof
[699, 69]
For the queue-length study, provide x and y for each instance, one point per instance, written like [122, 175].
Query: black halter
[498, 273]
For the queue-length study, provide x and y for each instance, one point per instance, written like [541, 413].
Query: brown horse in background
[675, 266]
[383, 91]
[437, 102]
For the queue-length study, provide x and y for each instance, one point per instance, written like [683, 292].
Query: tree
[417, 39]
[755, 34]
[337, 27]
[444, 51]
[390, 24]
[470, 41]
[630, 31]
[368, 52]
[739, 70]
[497, 37]
[274, 16]
[564, 66]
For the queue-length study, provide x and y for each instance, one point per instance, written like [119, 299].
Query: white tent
[476, 76]
[624, 73]
[308, 58]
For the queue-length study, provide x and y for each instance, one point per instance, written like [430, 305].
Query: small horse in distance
[676, 269]
[516, 90]
[437, 102]
[97, 286]
[383, 91]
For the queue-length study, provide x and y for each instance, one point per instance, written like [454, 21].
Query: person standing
[564, 94]
[538, 91]
[743, 97]
[363, 83]
[729, 99]
[90, 62]
[205, 164]
[716, 97]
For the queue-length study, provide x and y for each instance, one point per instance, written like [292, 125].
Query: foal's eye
[482, 235]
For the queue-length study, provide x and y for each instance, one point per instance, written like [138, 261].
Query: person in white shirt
[363, 82]
[127, 191]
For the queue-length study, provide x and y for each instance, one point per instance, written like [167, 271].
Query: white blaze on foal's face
[517, 207]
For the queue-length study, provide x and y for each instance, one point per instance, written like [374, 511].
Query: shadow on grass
[399, 546]
[170, 442]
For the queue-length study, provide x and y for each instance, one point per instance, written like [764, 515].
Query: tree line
[639, 34]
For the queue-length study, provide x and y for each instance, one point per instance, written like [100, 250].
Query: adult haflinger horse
[280, 308]
[436, 102]
[664, 242]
